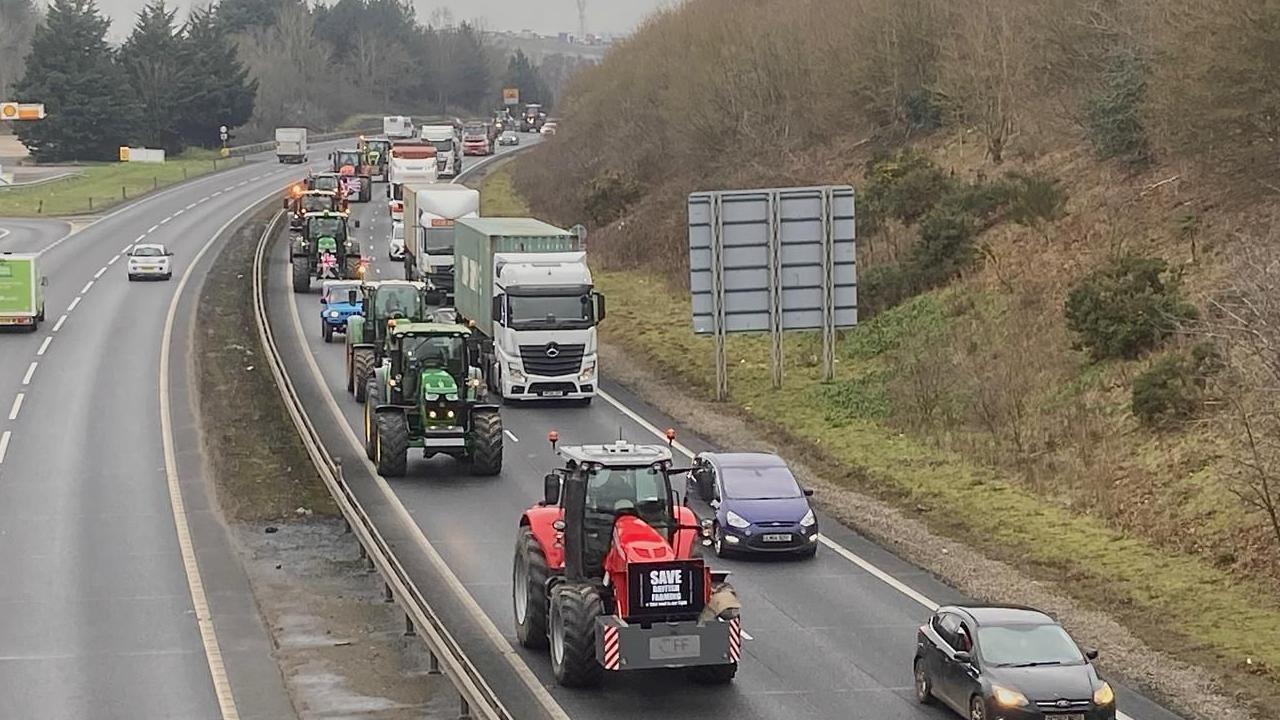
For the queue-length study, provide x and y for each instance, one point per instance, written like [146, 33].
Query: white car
[395, 242]
[150, 260]
[549, 129]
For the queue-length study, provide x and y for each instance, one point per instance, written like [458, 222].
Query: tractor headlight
[431, 414]
[431, 397]
[451, 397]
[808, 520]
[449, 414]
[736, 520]
[588, 372]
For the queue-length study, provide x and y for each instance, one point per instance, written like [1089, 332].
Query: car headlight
[587, 373]
[1005, 697]
[736, 520]
[808, 520]
[1104, 695]
[334, 314]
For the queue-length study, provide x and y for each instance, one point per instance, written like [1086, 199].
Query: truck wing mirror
[551, 489]
[599, 307]
[285, 204]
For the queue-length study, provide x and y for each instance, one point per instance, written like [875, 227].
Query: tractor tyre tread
[372, 391]
[578, 606]
[486, 452]
[532, 633]
[392, 451]
[301, 275]
[362, 370]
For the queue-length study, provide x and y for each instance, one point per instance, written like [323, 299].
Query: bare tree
[18, 20]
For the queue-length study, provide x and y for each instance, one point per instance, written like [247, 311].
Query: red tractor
[608, 572]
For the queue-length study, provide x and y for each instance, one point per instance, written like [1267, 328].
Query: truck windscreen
[443, 146]
[438, 241]
[548, 312]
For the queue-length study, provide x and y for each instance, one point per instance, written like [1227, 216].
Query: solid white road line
[74, 302]
[58, 325]
[511, 435]
[473, 609]
[17, 406]
[45, 345]
[199, 600]
[4, 443]
[31, 370]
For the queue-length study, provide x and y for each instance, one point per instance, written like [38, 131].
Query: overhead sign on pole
[21, 111]
[510, 96]
[773, 260]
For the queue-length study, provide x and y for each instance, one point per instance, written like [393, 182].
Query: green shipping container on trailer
[21, 290]
[477, 240]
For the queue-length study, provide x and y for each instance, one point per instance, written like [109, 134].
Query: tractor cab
[384, 302]
[324, 250]
[301, 203]
[608, 571]
[429, 393]
[346, 161]
[325, 181]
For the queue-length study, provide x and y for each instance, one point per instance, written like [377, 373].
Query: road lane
[96, 614]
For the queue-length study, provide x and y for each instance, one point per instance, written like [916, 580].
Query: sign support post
[720, 331]
[775, 289]
[828, 287]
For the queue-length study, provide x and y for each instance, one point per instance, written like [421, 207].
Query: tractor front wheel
[392, 451]
[529, 591]
[372, 392]
[326, 330]
[486, 442]
[301, 275]
[362, 370]
[574, 609]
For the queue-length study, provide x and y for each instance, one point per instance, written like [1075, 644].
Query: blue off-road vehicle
[339, 300]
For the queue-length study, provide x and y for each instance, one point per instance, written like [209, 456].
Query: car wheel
[924, 686]
[133, 278]
[809, 553]
[977, 708]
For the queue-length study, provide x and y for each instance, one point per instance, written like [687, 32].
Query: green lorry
[21, 291]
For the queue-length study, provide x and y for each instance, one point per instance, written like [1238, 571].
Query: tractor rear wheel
[713, 674]
[391, 454]
[362, 370]
[351, 372]
[529, 591]
[301, 275]
[486, 442]
[574, 609]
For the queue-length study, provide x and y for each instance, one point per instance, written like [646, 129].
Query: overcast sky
[542, 16]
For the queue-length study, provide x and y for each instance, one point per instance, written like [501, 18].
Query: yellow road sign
[124, 153]
[21, 111]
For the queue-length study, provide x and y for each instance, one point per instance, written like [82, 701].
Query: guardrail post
[124, 194]
[433, 663]
[363, 553]
[409, 629]
[464, 712]
[386, 593]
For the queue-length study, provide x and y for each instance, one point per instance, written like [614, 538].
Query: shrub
[881, 287]
[1172, 389]
[922, 110]
[608, 196]
[1034, 199]
[1126, 308]
[945, 247]
[905, 186]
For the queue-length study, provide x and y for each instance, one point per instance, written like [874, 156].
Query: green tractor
[429, 393]
[324, 250]
[383, 301]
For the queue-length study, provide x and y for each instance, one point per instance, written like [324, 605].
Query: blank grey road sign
[745, 221]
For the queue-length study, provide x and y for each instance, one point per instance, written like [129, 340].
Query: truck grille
[552, 359]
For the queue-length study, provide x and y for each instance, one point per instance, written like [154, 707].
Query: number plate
[1068, 716]
[552, 393]
[779, 537]
[675, 647]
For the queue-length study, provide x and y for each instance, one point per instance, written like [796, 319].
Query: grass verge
[498, 196]
[1229, 625]
[262, 471]
[100, 186]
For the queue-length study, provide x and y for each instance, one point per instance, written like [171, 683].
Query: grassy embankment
[100, 186]
[261, 470]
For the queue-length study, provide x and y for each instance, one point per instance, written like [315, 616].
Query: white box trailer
[291, 145]
[430, 213]
[397, 127]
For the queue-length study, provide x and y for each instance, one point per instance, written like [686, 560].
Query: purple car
[759, 507]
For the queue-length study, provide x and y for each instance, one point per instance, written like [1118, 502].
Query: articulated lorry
[526, 287]
[291, 145]
[397, 127]
[21, 291]
[410, 162]
[430, 212]
[447, 140]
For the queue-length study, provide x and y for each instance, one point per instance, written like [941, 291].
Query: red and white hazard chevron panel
[612, 654]
[735, 640]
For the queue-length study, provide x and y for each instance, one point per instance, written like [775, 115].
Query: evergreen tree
[73, 71]
[222, 92]
[523, 74]
[161, 79]
[18, 20]
[468, 75]
[243, 15]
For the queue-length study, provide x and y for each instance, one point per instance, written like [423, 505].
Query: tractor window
[316, 203]
[348, 158]
[404, 301]
[643, 490]
[327, 226]
[326, 183]
[441, 352]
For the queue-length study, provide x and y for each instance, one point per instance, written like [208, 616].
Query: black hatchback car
[1002, 662]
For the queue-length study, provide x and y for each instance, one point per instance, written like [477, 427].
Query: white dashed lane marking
[17, 405]
[100, 271]
[45, 345]
[162, 222]
[113, 260]
[58, 325]
[74, 303]
[31, 370]
[86, 287]
[511, 435]
[153, 229]
[4, 444]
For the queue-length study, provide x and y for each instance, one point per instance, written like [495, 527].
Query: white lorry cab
[397, 127]
[410, 163]
[447, 140]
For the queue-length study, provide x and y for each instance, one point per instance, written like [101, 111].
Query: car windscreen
[338, 293]
[148, 252]
[1027, 645]
[759, 483]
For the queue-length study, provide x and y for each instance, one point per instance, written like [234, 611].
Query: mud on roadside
[341, 649]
